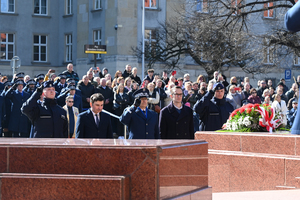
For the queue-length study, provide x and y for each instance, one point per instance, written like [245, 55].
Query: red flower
[242, 109]
[249, 110]
[233, 113]
[256, 105]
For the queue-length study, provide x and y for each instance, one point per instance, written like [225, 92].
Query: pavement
[293, 194]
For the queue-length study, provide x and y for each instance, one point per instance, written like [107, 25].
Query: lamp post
[143, 40]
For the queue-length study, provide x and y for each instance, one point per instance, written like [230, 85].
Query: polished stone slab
[252, 161]
[44, 186]
[150, 165]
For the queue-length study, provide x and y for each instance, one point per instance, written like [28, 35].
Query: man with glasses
[176, 119]
[72, 113]
[213, 109]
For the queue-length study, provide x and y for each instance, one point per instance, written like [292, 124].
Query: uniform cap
[72, 87]
[40, 76]
[31, 82]
[141, 93]
[218, 86]
[8, 83]
[294, 101]
[48, 84]
[62, 76]
[20, 75]
[19, 82]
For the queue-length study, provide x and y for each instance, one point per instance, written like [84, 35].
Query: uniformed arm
[125, 118]
[163, 125]
[79, 127]
[292, 18]
[62, 97]
[30, 107]
[9, 93]
[202, 105]
[154, 100]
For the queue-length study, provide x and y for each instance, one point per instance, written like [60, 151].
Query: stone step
[58, 186]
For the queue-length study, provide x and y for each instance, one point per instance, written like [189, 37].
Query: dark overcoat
[48, 119]
[213, 112]
[18, 122]
[139, 125]
[175, 125]
[86, 126]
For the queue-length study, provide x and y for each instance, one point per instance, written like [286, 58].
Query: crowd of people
[209, 102]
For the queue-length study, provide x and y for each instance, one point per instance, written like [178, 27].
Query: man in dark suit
[93, 123]
[108, 95]
[176, 119]
[141, 121]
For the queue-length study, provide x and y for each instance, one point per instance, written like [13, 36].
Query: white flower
[247, 121]
[240, 121]
[228, 125]
[234, 126]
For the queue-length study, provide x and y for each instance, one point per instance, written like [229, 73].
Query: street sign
[288, 75]
[95, 49]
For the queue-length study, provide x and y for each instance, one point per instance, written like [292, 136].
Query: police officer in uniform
[141, 121]
[30, 87]
[49, 120]
[18, 123]
[213, 109]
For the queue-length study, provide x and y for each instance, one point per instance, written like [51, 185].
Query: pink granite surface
[35, 186]
[139, 160]
[263, 162]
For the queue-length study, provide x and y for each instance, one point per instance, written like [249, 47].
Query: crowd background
[118, 88]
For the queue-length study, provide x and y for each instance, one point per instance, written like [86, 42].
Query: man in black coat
[49, 120]
[176, 119]
[127, 71]
[94, 123]
[87, 89]
[213, 109]
[107, 93]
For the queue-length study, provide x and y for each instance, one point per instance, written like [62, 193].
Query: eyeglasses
[253, 92]
[178, 94]
[70, 101]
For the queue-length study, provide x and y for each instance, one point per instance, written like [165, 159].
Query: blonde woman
[153, 96]
[280, 108]
[168, 92]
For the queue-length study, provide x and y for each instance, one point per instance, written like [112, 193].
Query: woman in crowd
[253, 98]
[117, 75]
[128, 83]
[134, 87]
[121, 101]
[120, 80]
[246, 92]
[171, 80]
[200, 79]
[271, 93]
[189, 96]
[153, 96]
[233, 81]
[135, 77]
[235, 96]
[168, 92]
[267, 100]
[266, 92]
[108, 84]
[280, 108]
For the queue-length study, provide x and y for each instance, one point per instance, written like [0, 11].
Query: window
[97, 4]
[270, 12]
[8, 6]
[40, 7]
[97, 40]
[7, 44]
[69, 7]
[202, 6]
[69, 48]
[235, 4]
[268, 55]
[150, 41]
[40, 48]
[150, 3]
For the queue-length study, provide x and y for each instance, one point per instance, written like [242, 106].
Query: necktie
[97, 120]
[144, 111]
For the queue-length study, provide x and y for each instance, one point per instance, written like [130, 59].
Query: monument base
[252, 161]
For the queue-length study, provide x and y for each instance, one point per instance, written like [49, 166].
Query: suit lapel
[91, 117]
